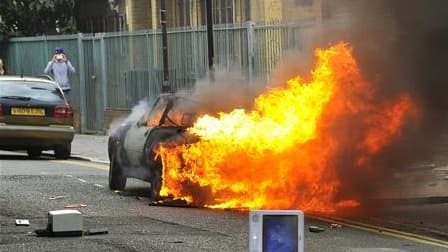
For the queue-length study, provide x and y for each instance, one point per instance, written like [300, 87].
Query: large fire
[281, 154]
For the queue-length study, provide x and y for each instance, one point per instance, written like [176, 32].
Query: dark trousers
[67, 94]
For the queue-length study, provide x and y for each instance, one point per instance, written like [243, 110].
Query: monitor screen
[280, 233]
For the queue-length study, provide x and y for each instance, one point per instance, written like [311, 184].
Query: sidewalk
[90, 147]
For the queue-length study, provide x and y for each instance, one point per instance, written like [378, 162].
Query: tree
[36, 17]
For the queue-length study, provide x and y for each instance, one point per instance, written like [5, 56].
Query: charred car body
[131, 147]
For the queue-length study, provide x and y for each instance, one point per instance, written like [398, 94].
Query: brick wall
[292, 11]
[284, 10]
[77, 119]
[138, 14]
[112, 116]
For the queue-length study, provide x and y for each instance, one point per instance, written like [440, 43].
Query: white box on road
[65, 221]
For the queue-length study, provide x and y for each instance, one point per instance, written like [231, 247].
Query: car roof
[25, 78]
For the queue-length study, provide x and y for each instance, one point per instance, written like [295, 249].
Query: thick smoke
[226, 92]
[401, 46]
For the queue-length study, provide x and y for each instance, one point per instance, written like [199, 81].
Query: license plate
[28, 111]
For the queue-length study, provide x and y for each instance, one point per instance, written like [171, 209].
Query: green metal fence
[117, 70]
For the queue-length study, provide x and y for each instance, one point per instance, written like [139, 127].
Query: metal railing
[117, 70]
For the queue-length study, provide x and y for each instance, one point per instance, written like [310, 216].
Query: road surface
[27, 187]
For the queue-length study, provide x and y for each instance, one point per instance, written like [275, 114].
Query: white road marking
[83, 163]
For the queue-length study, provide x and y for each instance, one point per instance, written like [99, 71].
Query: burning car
[131, 147]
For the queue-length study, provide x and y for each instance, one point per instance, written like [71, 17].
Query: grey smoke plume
[136, 112]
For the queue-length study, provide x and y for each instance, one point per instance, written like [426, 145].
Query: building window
[223, 11]
[304, 2]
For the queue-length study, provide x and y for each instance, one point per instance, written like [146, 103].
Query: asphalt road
[26, 187]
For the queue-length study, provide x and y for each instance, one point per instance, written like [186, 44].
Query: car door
[134, 142]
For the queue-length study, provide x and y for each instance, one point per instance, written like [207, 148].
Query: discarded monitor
[276, 230]
[65, 223]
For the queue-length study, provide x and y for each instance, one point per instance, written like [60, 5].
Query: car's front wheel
[117, 181]
[62, 151]
[156, 183]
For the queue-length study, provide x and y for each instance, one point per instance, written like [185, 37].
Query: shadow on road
[21, 156]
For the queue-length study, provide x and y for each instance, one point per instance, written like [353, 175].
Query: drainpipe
[211, 54]
[166, 88]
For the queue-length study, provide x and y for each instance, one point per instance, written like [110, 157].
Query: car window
[39, 91]
[153, 117]
[179, 116]
[182, 113]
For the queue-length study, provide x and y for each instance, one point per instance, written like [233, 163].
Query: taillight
[1, 109]
[63, 111]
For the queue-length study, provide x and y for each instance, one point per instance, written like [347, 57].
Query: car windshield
[31, 90]
[172, 111]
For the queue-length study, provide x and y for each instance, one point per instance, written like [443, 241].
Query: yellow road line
[385, 231]
[83, 163]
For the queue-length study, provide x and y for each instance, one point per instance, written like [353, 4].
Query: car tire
[117, 181]
[34, 153]
[62, 151]
[156, 183]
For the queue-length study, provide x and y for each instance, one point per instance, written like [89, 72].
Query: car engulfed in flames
[131, 146]
[286, 152]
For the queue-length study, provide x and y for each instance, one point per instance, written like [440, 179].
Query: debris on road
[82, 180]
[171, 203]
[98, 185]
[56, 197]
[22, 222]
[42, 232]
[63, 223]
[335, 225]
[76, 206]
[96, 231]
[316, 229]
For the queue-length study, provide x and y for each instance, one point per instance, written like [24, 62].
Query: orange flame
[280, 155]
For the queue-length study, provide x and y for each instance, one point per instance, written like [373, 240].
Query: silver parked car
[34, 116]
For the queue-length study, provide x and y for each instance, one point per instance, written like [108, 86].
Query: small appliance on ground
[276, 230]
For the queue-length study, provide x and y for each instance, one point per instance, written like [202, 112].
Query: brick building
[132, 15]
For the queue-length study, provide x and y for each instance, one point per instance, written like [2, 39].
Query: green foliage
[36, 17]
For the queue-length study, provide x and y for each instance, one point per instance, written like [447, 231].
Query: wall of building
[141, 13]
[138, 14]
[285, 11]
[294, 10]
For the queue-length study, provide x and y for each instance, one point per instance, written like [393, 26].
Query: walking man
[60, 68]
